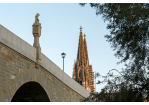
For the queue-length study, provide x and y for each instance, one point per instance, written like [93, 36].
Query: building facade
[82, 70]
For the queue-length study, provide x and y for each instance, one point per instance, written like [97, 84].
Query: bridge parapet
[19, 45]
[16, 43]
[61, 75]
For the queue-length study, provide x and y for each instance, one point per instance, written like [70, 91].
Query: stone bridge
[21, 80]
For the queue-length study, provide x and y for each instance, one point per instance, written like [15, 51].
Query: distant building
[82, 71]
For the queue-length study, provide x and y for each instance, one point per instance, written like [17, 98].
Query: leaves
[129, 36]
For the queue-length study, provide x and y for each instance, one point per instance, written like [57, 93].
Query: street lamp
[63, 56]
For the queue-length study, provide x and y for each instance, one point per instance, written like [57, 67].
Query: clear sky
[60, 33]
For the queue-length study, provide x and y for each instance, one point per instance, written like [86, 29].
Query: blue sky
[60, 33]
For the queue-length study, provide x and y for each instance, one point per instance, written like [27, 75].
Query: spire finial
[84, 35]
[81, 28]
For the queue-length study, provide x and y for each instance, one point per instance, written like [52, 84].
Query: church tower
[82, 71]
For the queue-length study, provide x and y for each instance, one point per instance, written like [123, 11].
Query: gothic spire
[82, 71]
[85, 48]
[80, 47]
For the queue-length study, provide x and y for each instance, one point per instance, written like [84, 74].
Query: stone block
[43, 59]
[8, 57]
[3, 32]
[9, 37]
[33, 54]
[27, 49]
[4, 50]
[22, 45]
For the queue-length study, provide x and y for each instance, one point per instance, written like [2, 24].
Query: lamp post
[63, 56]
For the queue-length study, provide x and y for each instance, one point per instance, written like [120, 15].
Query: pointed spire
[80, 28]
[82, 71]
[84, 35]
[80, 46]
[81, 34]
[85, 47]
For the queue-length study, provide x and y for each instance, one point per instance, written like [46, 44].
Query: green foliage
[116, 90]
[129, 36]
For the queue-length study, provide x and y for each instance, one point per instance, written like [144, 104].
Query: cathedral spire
[82, 71]
[85, 48]
[81, 59]
[80, 47]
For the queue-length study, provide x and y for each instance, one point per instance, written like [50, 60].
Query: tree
[116, 90]
[129, 35]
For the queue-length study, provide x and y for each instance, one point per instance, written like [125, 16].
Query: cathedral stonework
[82, 70]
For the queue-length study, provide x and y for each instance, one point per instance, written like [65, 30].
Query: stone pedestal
[37, 33]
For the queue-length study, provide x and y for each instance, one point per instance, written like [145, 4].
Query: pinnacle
[84, 35]
[80, 28]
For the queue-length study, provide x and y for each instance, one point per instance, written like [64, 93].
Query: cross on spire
[84, 35]
[81, 28]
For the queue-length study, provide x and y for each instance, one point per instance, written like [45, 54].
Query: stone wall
[15, 70]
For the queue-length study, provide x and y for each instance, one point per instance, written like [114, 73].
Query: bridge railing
[61, 75]
[16, 43]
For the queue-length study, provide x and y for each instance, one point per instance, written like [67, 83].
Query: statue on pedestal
[37, 20]
[37, 33]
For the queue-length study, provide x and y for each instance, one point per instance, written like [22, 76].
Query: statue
[37, 33]
[37, 17]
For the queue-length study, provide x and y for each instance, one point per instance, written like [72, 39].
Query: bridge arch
[27, 84]
[30, 92]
